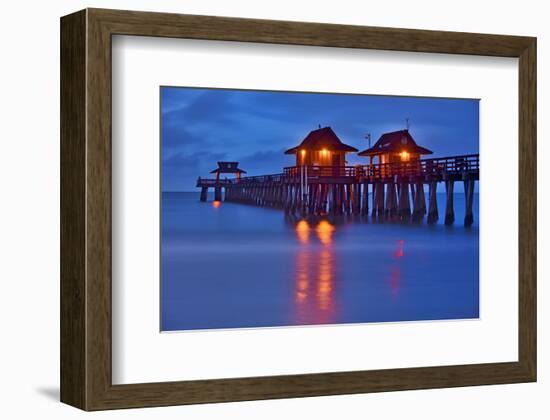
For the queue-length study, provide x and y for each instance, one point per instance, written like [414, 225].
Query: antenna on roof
[368, 138]
[407, 123]
[319, 125]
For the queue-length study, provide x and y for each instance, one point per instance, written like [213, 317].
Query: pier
[394, 188]
[394, 191]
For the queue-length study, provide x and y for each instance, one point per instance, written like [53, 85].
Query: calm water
[234, 265]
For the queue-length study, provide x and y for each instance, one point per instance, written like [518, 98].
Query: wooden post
[433, 214]
[340, 201]
[312, 198]
[469, 185]
[288, 197]
[365, 204]
[391, 199]
[379, 199]
[333, 198]
[323, 202]
[375, 187]
[404, 201]
[422, 198]
[217, 193]
[356, 198]
[204, 193]
[419, 202]
[449, 209]
[297, 197]
[347, 198]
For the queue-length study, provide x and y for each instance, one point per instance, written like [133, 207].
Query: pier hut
[223, 168]
[395, 147]
[398, 157]
[321, 155]
[228, 168]
[321, 147]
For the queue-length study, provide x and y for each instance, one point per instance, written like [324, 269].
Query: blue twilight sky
[202, 126]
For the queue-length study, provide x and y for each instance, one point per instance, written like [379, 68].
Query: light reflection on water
[395, 269]
[315, 272]
[314, 275]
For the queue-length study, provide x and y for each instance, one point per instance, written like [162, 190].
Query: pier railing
[438, 167]
[435, 167]
[207, 182]
[323, 171]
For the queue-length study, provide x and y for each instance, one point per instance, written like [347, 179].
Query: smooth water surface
[227, 265]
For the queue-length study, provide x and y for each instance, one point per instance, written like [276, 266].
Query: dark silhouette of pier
[321, 184]
[390, 190]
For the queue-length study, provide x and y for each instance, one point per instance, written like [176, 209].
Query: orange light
[404, 155]
[216, 204]
[303, 152]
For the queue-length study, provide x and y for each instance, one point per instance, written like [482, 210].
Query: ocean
[228, 265]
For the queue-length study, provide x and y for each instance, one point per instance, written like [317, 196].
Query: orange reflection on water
[216, 204]
[314, 274]
[324, 282]
[324, 232]
[302, 231]
[302, 279]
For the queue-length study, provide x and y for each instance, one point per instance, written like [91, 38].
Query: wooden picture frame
[86, 222]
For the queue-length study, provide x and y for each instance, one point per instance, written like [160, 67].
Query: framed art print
[262, 209]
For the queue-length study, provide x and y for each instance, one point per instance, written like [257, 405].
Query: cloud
[202, 126]
[266, 162]
[180, 170]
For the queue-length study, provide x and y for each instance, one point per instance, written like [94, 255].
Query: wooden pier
[388, 191]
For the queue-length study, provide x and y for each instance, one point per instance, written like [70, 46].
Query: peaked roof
[395, 142]
[228, 168]
[322, 138]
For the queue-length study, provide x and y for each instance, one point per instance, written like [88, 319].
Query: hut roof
[322, 138]
[228, 168]
[395, 142]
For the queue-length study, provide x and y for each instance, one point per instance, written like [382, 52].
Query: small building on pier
[321, 147]
[223, 168]
[228, 168]
[395, 147]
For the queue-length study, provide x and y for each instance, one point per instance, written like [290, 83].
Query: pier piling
[365, 204]
[433, 213]
[391, 199]
[404, 201]
[449, 208]
[469, 192]
[204, 193]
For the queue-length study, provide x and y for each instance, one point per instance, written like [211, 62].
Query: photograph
[283, 209]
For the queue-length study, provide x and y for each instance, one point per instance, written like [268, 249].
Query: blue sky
[202, 126]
